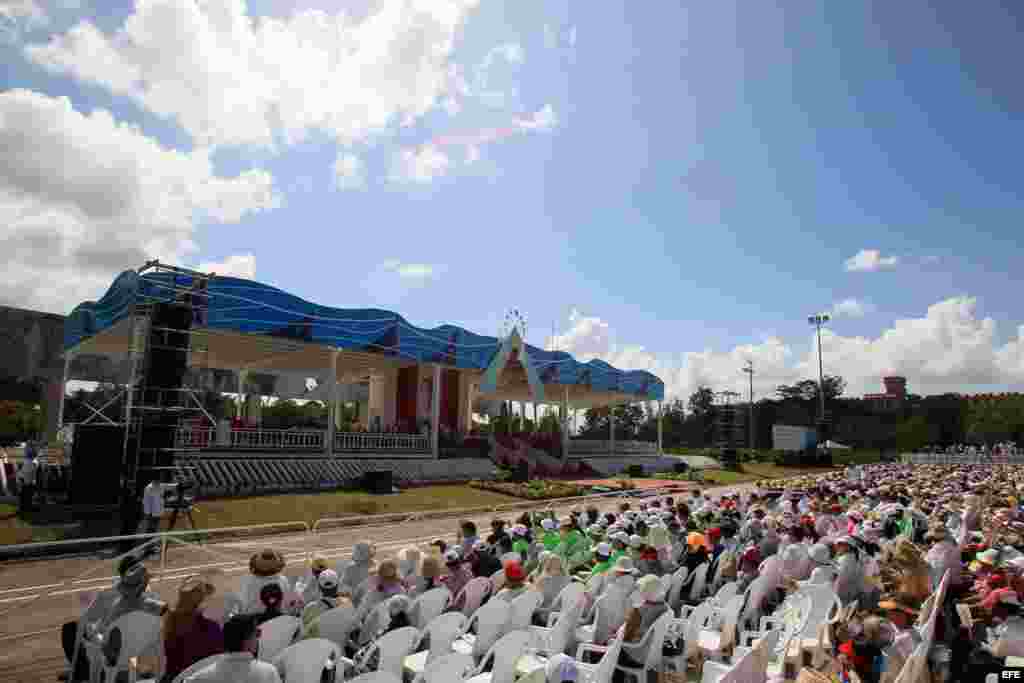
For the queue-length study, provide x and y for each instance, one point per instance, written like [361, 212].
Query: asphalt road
[38, 596]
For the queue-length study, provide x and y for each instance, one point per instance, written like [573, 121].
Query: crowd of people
[883, 540]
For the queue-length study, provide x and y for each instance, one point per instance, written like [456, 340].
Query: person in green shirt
[571, 540]
[519, 543]
[550, 537]
[602, 559]
[620, 547]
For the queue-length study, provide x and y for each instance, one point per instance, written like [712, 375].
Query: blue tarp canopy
[248, 307]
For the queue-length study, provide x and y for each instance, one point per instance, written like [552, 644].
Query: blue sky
[691, 178]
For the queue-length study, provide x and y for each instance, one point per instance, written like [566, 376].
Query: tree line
[921, 421]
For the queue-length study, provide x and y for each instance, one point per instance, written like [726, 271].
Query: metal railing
[370, 442]
[594, 447]
[251, 439]
[961, 459]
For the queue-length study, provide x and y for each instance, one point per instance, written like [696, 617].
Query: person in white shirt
[241, 641]
[27, 479]
[153, 504]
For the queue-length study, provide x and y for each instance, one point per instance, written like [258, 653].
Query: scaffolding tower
[169, 345]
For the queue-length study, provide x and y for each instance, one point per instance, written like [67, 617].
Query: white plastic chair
[558, 637]
[441, 632]
[603, 671]
[609, 615]
[699, 583]
[648, 650]
[567, 596]
[472, 595]
[694, 624]
[199, 666]
[448, 669]
[489, 622]
[502, 658]
[521, 610]
[376, 677]
[429, 606]
[304, 661]
[277, 634]
[140, 634]
[717, 642]
[551, 587]
[392, 648]
[756, 593]
[749, 667]
[675, 590]
[336, 625]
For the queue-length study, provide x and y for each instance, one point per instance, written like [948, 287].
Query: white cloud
[420, 165]
[409, 271]
[493, 75]
[236, 265]
[83, 197]
[947, 349]
[228, 78]
[349, 172]
[867, 260]
[851, 308]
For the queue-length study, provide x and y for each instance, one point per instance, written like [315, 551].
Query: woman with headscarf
[458, 574]
[849, 582]
[188, 635]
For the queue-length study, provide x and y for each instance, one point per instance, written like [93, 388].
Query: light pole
[818, 320]
[749, 369]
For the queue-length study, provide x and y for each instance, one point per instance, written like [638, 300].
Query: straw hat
[649, 588]
[387, 570]
[266, 563]
[431, 568]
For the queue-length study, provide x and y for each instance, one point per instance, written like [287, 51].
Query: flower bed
[542, 489]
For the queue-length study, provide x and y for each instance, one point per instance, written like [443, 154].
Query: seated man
[241, 640]
[102, 603]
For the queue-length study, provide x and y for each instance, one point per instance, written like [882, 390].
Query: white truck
[790, 438]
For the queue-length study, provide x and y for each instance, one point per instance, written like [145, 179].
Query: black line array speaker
[96, 458]
[168, 350]
[379, 481]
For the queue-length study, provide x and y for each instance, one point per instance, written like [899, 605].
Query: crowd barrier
[961, 459]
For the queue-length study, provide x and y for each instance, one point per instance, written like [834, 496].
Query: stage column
[243, 376]
[435, 413]
[564, 420]
[661, 414]
[68, 358]
[332, 404]
[611, 429]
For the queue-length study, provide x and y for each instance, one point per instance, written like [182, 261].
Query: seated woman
[188, 635]
[265, 568]
[515, 582]
[429, 578]
[649, 606]
[307, 586]
[551, 580]
[381, 586]
[271, 597]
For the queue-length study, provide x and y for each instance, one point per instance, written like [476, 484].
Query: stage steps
[242, 475]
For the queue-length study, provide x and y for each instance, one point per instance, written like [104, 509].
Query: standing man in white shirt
[27, 479]
[153, 503]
